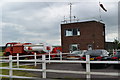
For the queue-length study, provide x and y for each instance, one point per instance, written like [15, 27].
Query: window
[89, 47]
[78, 32]
[72, 32]
[8, 45]
[68, 32]
[74, 47]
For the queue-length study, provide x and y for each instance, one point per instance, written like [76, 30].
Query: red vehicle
[29, 49]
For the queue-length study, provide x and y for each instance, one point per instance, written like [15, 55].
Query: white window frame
[70, 33]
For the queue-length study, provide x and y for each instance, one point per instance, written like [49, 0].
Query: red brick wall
[91, 32]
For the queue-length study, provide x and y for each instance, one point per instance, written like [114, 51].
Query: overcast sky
[39, 21]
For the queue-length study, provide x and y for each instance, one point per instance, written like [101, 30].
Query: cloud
[39, 25]
[11, 32]
[40, 21]
[110, 37]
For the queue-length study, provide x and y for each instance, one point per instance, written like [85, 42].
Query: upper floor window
[68, 32]
[72, 32]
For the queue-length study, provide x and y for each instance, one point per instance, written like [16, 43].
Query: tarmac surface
[77, 67]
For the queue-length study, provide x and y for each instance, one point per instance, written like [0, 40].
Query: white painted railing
[113, 51]
[44, 69]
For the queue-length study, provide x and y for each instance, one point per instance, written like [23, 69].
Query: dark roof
[84, 22]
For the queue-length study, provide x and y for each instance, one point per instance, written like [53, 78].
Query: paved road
[76, 67]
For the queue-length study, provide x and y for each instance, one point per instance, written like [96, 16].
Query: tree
[119, 46]
[117, 43]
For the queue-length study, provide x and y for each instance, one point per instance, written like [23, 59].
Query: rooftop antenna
[100, 12]
[64, 21]
[70, 18]
[70, 11]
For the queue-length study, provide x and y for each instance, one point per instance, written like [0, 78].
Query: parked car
[116, 57]
[96, 55]
[75, 55]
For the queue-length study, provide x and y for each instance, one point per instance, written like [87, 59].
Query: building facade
[82, 36]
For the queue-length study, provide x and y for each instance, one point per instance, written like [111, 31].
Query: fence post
[43, 66]
[10, 66]
[88, 67]
[18, 60]
[60, 55]
[35, 59]
[113, 51]
[109, 50]
[49, 56]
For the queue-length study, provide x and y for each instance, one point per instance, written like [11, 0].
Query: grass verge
[1, 53]
[17, 72]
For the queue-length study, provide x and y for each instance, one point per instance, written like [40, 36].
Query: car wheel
[7, 54]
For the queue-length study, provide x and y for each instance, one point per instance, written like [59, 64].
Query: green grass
[6, 64]
[1, 53]
[17, 72]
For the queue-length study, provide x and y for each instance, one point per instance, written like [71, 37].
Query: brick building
[82, 36]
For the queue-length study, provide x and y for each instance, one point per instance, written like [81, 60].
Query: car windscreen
[76, 52]
[94, 53]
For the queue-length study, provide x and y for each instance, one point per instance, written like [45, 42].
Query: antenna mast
[70, 11]
[100, 12]
[70, 18]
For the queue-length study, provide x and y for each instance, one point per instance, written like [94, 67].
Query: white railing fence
[44, 69]
[112, 51]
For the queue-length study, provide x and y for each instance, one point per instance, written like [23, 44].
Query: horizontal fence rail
[43, 61]
[22, 77]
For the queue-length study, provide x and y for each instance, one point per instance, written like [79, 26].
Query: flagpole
[100, 12]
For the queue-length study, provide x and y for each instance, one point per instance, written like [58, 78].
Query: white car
[75, 55]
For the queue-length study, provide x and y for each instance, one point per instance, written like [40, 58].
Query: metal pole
[10, 66]
[60, 55]
[35, 59]
[18, 60]
[88, 67]
[113, 51]
[109, 50]
[116, 51]
[100, 12]
[70, 11]
[43, 67]
[49, 55]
